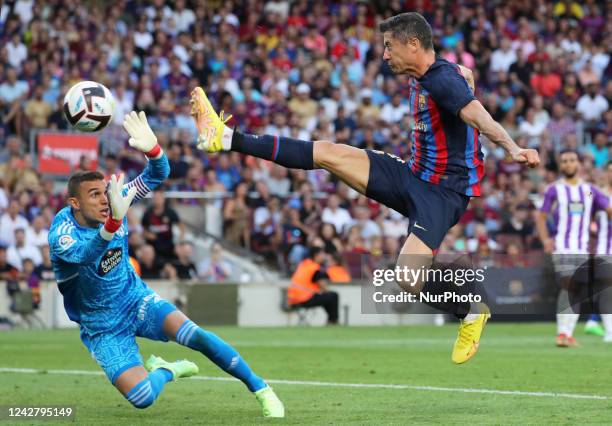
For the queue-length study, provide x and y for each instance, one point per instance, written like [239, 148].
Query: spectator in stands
[336, 215]
[310, 210]
[368, 227]
[37, 110]
[308, 288]
[301, 105]
[184, 266]
[599, 149]
[560, 124]
[12, 93]
[519, 224]
[37, 234]
[215, 268]
[32, 280]
[8, 271]
[158, 222]
[330, 238]
[44, 271]
[336, 270]
[294, 236]
[266, 228]
[21, 250]
[111, 166]
[10, 221]
[151, 266]
[592, 105]
[236, 216]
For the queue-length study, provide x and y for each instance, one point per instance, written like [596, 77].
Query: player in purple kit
[572, 203]
[433, 188]
[603, 249]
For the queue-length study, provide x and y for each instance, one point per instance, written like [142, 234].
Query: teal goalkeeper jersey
[94, 275]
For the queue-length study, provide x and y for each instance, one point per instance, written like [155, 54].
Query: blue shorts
[117, 351]
[431, 209]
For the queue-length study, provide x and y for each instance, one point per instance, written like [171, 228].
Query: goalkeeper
[89, 251]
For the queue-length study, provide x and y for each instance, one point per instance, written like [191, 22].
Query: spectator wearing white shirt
[19, 251]
[11, 220]
[592, 105]
[394, 111]
[4, 201]
[124, 103]
[502, 58]
[37, 235]
[368, 227]
[277, 181]
[142, 37]
[532, 129]
[540, 115]
[13, 89]
[331, 104]
[336, 215]
[25, 10]
[17, 51]
[183, 17]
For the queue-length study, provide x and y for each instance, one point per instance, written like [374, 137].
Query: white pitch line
[339, 385]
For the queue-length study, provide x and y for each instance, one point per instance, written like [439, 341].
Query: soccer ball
[89, 106]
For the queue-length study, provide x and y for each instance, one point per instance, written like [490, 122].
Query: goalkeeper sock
[146, 392]
[219, 352]
[288, 152]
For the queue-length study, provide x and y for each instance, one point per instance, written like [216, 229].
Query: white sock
[561, 324]
[606, 319]
[572, 319]
[226, 138]
[470, 317]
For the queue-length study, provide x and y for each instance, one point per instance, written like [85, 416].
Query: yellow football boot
[468, 338]
[210, 125]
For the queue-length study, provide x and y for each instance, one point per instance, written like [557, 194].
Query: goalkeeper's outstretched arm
[143, 139]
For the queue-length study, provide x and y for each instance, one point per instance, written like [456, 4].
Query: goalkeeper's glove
[141, 135]
[119, 205]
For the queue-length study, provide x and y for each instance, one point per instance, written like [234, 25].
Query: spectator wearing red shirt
[544, 82]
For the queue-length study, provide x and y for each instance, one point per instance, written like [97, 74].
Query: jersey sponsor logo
[576, 208]
[421, 126]
[66, 241]
[111, 259]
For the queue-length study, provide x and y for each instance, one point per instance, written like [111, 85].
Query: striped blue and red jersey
[445, 150]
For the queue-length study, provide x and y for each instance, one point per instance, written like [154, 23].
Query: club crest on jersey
[66, 241]
[422, 102]
[110, 260]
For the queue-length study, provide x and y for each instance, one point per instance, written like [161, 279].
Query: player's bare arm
[543, 234]
[478, 117]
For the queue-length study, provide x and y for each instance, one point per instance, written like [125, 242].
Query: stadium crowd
[309, 70]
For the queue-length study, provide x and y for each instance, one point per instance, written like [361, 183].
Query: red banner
[60, 154]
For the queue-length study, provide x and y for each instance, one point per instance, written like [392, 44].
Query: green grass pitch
[512, 357]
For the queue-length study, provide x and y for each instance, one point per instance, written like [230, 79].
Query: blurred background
[306, 69]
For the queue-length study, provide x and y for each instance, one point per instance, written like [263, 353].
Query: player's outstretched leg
[349, 164]
[225, 357]
[141, 389]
